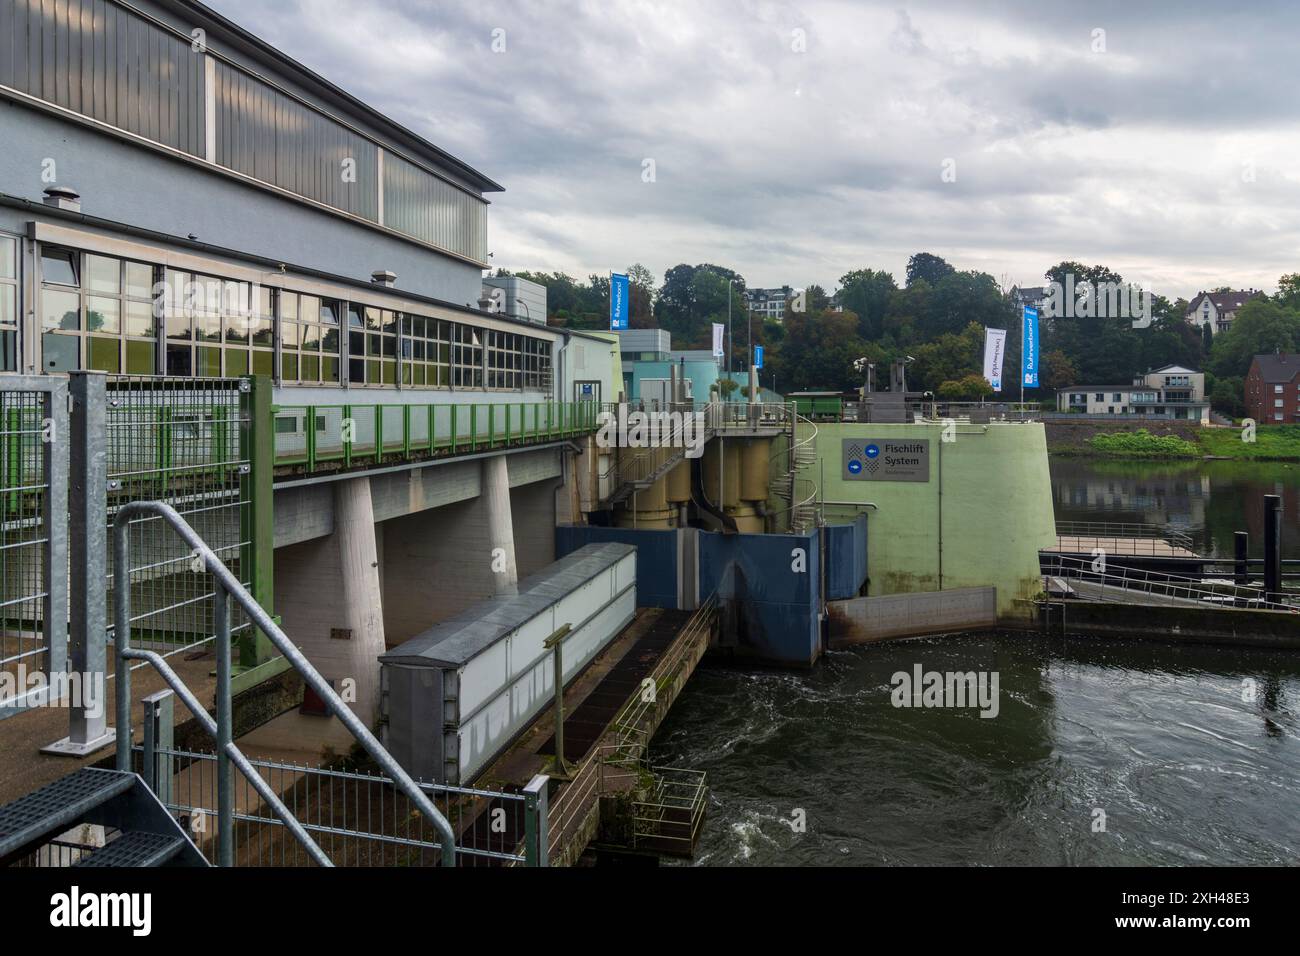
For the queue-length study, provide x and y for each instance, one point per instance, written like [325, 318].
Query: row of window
[119, 316]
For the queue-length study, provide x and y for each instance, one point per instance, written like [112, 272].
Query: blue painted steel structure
[772, 585]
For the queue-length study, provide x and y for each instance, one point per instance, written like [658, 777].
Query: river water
[1184, 755]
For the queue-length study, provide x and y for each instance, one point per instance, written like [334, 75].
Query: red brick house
[1273, 389]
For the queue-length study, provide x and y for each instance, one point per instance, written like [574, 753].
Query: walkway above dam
[322, 439]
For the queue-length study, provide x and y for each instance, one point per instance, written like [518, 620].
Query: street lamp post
[730, 282]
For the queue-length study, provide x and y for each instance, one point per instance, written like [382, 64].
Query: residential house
[1172, 392]
[1218, 309]
[1273, 389]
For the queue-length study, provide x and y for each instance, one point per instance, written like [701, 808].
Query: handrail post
[225, 734]
[536, 830]
[122, 635]
[159, 738]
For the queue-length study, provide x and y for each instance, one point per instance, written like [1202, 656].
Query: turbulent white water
[1158, 738]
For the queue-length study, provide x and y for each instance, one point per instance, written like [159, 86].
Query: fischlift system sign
[619, 295]
[886, 459]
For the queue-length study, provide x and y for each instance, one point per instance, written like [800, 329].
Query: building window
[217, 327]
[97, 312]
[426, 352]
[467, 355]
[372, 346]
[309, 339]
[537, 364]
[8, 304]
[503, 359]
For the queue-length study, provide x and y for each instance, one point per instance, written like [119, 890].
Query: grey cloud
[795, 167]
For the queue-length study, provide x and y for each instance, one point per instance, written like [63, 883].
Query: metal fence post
[159, 741]
[257, 445]
[1273, 549]
[536, 830]
[1241, 556]
[225, 794]
[88, 731]
[54, 519]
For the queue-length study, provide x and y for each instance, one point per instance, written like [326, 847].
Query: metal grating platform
[135, 849]
[592, 718]
[58, 805]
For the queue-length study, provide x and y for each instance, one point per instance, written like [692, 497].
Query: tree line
[935, 320]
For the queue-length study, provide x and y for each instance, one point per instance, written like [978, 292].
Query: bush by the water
[1142, 443]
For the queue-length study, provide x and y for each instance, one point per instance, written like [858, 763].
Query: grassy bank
[1272, 443]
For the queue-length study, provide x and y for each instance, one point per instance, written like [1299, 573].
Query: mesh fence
[24, 485]
[185, 442]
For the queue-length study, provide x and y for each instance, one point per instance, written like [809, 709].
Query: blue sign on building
[619, 302]
[1029, 356]
[758, 356]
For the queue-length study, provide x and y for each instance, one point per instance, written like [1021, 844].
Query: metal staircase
[800, 491]
[639, 471]
[137, 829]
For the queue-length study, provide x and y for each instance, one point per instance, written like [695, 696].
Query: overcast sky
[796, 141]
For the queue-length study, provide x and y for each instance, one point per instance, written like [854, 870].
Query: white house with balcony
[1170, 392]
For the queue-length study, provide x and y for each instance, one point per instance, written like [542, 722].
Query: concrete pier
[500, 527]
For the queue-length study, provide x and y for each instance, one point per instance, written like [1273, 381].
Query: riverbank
[1171, 441]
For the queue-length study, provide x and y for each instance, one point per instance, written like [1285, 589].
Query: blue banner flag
[758, 356]
[619, 302]
[1029, 351]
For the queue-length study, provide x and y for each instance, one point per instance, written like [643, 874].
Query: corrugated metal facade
[433, 210]
[94, 58]
[265, 134]
[106, 62]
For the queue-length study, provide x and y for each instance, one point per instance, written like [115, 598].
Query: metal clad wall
[93, 58]
[271, 137]
[846, 558]
[656, 566]
[432, 210]
[775, 604]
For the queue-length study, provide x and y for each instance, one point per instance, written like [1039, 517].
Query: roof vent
[63, 197]
[383, 277]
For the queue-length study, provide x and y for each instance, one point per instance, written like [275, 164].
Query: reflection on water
[1159, 737]
[1208, 500]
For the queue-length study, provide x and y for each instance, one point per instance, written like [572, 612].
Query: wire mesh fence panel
[185, 442]
[33, 534]
[357, 818]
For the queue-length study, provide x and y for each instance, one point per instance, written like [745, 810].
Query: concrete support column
[363, 610]
[500, 525]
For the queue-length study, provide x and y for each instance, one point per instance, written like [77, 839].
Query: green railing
[348, 435]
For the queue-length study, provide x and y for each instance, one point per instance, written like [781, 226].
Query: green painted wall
[996, 509]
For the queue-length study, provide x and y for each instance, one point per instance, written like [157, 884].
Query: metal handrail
[226, 586]
[1141, 581]
[1121, 529]
[795, 467]
[620, 464]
